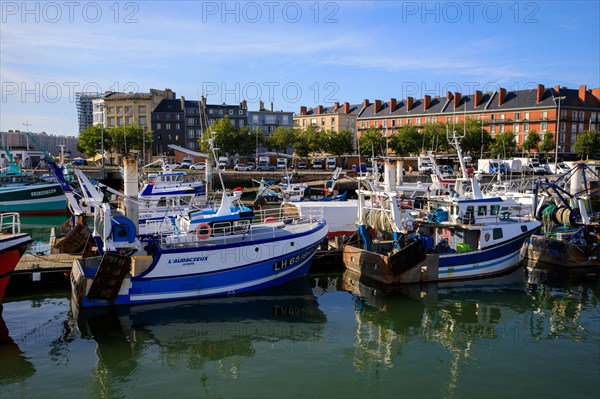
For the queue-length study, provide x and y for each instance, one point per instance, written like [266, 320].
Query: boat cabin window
[481, 210]
[221, 229]
[497, 234]
[523, 228]
[241, 226]
[494, 209]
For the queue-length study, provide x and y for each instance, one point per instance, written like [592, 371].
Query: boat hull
[416, 267]
[36, 199]
[208, 272]
[562, 253]
[12, 247]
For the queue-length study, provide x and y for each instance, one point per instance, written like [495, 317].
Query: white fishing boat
[461, 235]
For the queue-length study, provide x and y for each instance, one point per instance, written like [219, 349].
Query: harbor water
[531, 334]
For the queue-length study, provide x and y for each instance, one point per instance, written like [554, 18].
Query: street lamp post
[101, 106]
[481, 152]
[557, 130]
[27, 124]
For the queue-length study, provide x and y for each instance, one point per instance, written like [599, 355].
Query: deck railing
[10, 223]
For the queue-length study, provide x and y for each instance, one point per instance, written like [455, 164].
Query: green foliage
[475, 137]
[225, 135]
[339, 143]
[587, 144]
[504, 145]
[434, 137]
[282, 139]
[89, 141]
[371, 142]
[247, 140]
[532, 141]
[123, 139]
[407, 140]
[307, 141]
[548, 143]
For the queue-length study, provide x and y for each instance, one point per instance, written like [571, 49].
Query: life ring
[286, 196]
[487, 236]
[203, 231]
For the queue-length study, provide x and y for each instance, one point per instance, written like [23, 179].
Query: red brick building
[519, 111]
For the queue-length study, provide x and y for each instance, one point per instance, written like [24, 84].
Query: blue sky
[291, 52]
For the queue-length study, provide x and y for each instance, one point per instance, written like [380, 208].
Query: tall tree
[89, 141]
[531, 141]
[123, 139]
[434, 137]
[548, 143]
[504, 145]
[371, 142]
[282, 139]
[587, 144]
[407, 140]
[226, 136]
[475, 138]
[339, 143]
[306, 141]
[247, 140]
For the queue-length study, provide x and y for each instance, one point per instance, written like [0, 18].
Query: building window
[303, 122]
[418, 121]
[448, 119]
[220, 112]
[111, 121]
[322, 121]
[241, 112]
[128, 109]
[563, 126]
[141, 109]
[110, 110]
[119, 121]
[270, 118]
[167, 126]
[130, 120]
[592, 116]
[516, 128]
[313, 121]
[191, 133]
[581, 127]
[393, 122]
[119, 110]
[544, 115]
[177, 117]
[456, 119]
[362, 124]
[158, 126]
[492, 129]
[241, 122]
[285, 119]
[177, 126]
[168, 117]
[501, 117]
[517, 116]
[210, 111]
[501, 129]
[231, 112]
[573, 127]
[526, 116]
[544, 126]
[574, 115]
[190, 121]
[526, 127]
[142, 121]
[435, 119]
[333, 121]
[492, 117]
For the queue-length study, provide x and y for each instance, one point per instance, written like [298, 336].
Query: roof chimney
[244, 104]
[426, 102]
[596, 93]
[365, 103]
[476, 99]
[393, 104]
[448, 95]
[377, 106]
[557, 88]
[539, 93]
[457, 97]
[319, 109]
[271, 106]
[336, 105]
[582, 91]
[303, 110]
[346, 108]
[182, 102]
[261, 106]
[501, 95]
[409, 103]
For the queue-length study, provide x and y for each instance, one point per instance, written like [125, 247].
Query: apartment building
[519, 111]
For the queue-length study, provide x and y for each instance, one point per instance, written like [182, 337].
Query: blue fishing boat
[208, 253]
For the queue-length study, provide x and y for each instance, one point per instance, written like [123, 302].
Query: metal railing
[10, 223]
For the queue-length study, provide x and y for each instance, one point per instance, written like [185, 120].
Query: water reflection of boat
[194, 332]
[464, 318]
[14, 365]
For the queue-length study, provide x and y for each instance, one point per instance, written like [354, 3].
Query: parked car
[425, 168]
[251, 165]
[79, 162]
[301, 165]
[186, 163]
[174, 165]
[265, 166]
[198, 166]
[241, 167]
[532, 169]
